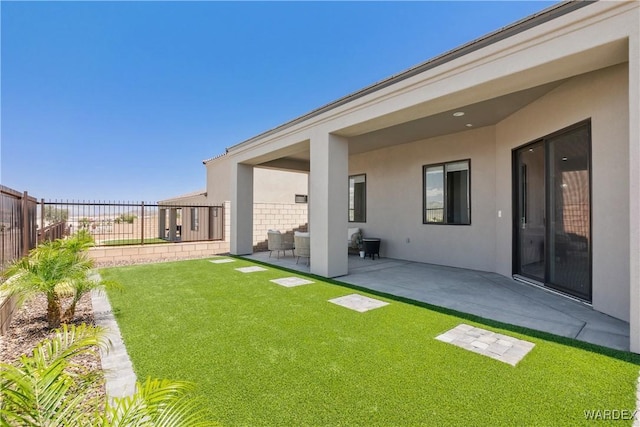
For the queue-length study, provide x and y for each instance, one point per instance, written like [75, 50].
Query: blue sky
[123, 100]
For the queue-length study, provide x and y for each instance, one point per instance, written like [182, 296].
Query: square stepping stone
[496, 346]
[290, 282]
[358, 302]
[222, 261]
[252, 269]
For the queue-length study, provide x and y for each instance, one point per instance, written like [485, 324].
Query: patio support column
[328, 204]
[241, 209]
[634, 190]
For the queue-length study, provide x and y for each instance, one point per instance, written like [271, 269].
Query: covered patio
[442, 153]
[488, 295]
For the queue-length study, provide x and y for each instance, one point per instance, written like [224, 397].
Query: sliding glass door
[531, 212]
[553, 211]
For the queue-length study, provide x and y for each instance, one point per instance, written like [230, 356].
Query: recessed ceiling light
[458, 114]
[564, 159]
[468, 125]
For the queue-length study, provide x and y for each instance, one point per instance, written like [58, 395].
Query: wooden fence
[18, 235]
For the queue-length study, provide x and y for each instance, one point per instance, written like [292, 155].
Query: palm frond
[70, 341]
[42, 389]
[48, 389]
[78, 242]
[158, 403]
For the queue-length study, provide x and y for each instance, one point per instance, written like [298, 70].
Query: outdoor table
[371, 246]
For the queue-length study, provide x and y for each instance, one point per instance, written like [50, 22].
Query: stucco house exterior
[279, 203]
[517, 153]
[279, 200]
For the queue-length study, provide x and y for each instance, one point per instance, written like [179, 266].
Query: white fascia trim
[547, 31]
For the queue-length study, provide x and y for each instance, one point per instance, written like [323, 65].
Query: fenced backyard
[25, 222]
[131, 223]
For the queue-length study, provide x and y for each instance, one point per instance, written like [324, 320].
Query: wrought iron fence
[23, 225]
[131, 223]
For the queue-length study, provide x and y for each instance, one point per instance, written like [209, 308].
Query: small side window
[447, 198]
[358, 198]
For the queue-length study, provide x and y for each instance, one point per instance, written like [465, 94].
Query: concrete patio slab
[290, 282]
[496, 346]
[358, 303]
[250, 269]
[222, 261]
[484, 294]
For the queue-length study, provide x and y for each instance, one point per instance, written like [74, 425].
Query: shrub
[49, 388]
[60, 271]
[53, 214]
[125, 219]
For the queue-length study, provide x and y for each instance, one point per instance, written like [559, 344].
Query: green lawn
[261, 354]
[118, 242]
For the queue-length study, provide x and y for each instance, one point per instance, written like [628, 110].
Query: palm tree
[41, 390]
[49, 389]
[57, 269]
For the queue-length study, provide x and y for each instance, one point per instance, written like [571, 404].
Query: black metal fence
[131, 223]
[23, 226]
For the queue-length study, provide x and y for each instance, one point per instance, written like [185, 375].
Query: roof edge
[204, 162]
[531, 21]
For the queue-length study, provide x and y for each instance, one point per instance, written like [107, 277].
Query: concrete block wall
[157, 252]
[286, 217]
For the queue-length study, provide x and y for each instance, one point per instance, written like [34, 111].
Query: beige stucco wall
[601, 96]
[274, 193]
[276, 186]
[219, 179]
[269, 185]
[394, 200]
[394, 186]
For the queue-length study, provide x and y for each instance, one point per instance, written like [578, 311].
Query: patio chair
[277, 241]
[302, 246]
